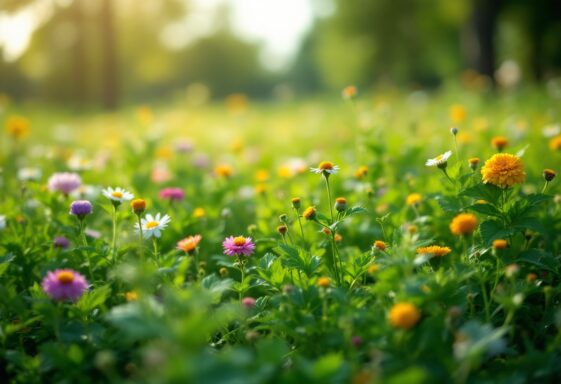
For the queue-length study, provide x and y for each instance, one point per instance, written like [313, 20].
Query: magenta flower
[64, 182]
[61, 242]
[172, 194]
[64, 284]
[237, 246]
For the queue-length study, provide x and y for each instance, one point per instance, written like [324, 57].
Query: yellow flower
[413, 199]
[379, 244]
[500, 244]
[463, 224]
[555, 143]
[17, 127]
[457, 113]
[223, 170]
[503, 170]
[361, 172]
[138, 205]
[349, 92]
[434, 250]
[261, 176]
[199, 213]
[324, 282]
[499, 143]
[373, 268]
[131, 296]
[404, 315]
[309, 213]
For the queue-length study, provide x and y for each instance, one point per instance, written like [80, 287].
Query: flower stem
[300, 224]
[329, 197]
[156, 253]
[545, 187]
[114, 241]
[242, 271]
[140, 239]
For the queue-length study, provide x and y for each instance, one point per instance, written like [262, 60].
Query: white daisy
[325, 167]
[117, 195]
[153, 226]
[2, 222]
[439, 160]
[29, 174]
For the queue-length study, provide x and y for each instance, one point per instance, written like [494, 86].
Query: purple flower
[237, 246]
[64, 182]
[64, 284]
[81, 208]
[61, 242]
[173, 194]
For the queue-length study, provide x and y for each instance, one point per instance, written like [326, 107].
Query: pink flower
[237, 246]
[173, 194]
[64, 182]
[64, 284]
[248, 302]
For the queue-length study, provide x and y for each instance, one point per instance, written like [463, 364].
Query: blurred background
[109, 53]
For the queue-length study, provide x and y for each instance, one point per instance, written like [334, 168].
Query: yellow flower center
[239, 241]
[325, 165]
[152, 224]
[439, 157]
[117, 194]
[65, 277]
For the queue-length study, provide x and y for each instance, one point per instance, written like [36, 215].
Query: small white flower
[29, 174]
[2, 222]
[117, 195]
[550, 131]
[325, 167]
[153, 226]
[78, 162]
[439, 160]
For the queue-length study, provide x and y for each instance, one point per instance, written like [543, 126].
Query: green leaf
[485, 209]
[487, 192]
[94, 298]
[539, 258]
[356, 210]
[491, 230]
[5, 262]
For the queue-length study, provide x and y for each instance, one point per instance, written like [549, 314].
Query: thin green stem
[156, 253]
[140, 239]
[485, 300]
[114, 241]
[329, 198]
[545, 186]
[300, 224]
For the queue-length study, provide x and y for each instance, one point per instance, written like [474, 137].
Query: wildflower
[373, 268]
[248, 302]
[260, 189]
[117, 195]
[64, 182]
[338, 238]
[349, 92]
[17, 127]
[412, 229]
[511, 270]
[261, 176]
[223, 272]
[361, 172]
[296, 203]
[413, 199]
[454, 131]
[189, 244]
[549, 174]
[223, 170]
[61, 242]
[473, 163]
[64, 284]
[184, 146]
[199, 213]
[138, 206]
[380, 245]
[457, 113]
[499, 143]
[555, 143]
[282, 229]
[131, 296]
[340, 204]
[172, 194]
[463, 224]
[434, 250]
[81, 208]
[441, 161]
[531, 277]
[160, 174]
[500, 244]
[238, 246]
[309, 213]
[324, 282]
[2, 222]
[404, 315]
[153, 225]
[503, 170]
[29, 174]
[325, 168]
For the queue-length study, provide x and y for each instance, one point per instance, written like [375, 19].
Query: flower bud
[340, 204]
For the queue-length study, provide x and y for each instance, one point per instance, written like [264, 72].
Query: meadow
[379, 237]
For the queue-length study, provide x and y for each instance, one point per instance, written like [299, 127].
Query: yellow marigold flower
[499, 143]
[373, 268]
[138, 206]
[131, 296]
[309, 213]
[17, 126]
[261, 176]
[463, 224]
[379, 244]
[500, 244]
[404, 315]
[555, 143]
[549, 174]
[199, 213]
[457, 113]
[361, 172]
[296, 202]
[413, 199]
[434, 250]
[503, 170]
[223, 170]
[324, 282]
[473, 162]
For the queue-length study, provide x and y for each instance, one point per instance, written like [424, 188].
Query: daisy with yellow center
[434, 250]
[440, 161]
[152, 226]
[325, 168]
[463, 224]
[503, 170]
[117, 195]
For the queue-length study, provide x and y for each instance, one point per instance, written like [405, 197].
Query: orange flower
[404, 315]
[503, 170]
[223, 170]
[309, 213]
[324, 282]
[434, 250]
[499, 143]
[379, 244]
[555, 143]
[17, 127]
[189, 244]
[500, 244]
[463, 224]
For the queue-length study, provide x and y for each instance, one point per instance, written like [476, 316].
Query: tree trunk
[110, 66]
[483, 22]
